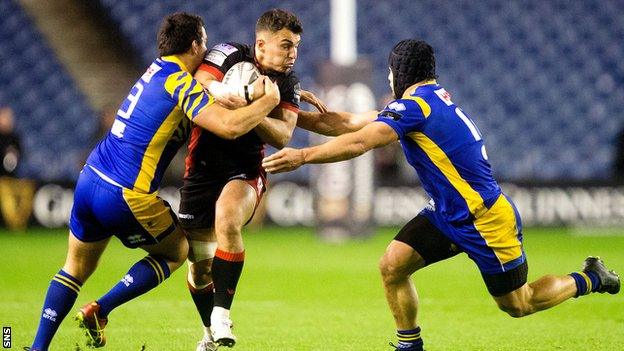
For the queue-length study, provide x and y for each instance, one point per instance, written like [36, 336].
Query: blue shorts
[493, 241]
[102, 209]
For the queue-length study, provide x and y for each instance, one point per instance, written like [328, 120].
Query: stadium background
[544, 80]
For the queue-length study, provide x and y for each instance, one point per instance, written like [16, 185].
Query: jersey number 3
[119, 127]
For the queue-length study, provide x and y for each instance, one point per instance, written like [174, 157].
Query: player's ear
[195, 46]
[260, 44]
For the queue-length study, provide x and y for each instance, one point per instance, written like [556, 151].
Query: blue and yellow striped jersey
[150, 126]
[445, 147]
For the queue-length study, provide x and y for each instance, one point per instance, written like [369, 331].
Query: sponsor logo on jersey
[397, 106]
[225, 48]
[186, 216]
[151, 70]
[219, 53]
[444, 96]
[216, 57]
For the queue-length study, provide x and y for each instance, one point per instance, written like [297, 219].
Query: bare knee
[516, 307]
[226, 227]
[201, 272]
[228, 230]
[516, 311]
[399, 262]
[391, 270]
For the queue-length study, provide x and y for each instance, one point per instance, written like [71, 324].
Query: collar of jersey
[174, 59]
[417, 85]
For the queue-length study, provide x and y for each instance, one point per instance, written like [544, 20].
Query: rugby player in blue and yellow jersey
[116, 193]
[468, 211]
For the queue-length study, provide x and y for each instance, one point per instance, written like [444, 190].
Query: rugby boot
[403, 347]
[206, 344]
[222, 332]
[609, 280]
[88, 320]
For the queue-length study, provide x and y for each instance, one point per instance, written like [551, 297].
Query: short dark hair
[178, 32]
[277, 19]
[411, 61]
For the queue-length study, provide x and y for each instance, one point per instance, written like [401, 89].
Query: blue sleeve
[404, 116]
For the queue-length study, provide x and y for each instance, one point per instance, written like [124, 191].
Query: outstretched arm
[332, 123]
[342, 148]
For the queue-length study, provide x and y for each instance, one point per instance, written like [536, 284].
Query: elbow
[234, 133]
[281, 143]
[228, 132]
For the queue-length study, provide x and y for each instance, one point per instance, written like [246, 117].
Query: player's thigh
[236, 204]
[510, 286]
[427, 241]
[197, 204]
[174, 247]
[83, 257]
[494, 242]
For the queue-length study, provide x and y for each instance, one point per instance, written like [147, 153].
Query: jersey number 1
[473, 129]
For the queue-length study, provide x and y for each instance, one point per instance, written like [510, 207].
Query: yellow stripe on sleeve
[424, 106]
[173, 81]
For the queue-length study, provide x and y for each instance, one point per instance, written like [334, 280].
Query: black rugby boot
[609, 280]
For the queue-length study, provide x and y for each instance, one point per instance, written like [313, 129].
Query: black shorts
[427, 240]
[503, 283]
[198, 200]
[433, 246]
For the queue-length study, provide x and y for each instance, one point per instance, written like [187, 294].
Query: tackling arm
[231, 124]
[332, 123]
[342, 148]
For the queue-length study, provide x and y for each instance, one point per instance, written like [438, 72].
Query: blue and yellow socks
[409, 340]
[141, 278]
[586, 282]
[59, 300]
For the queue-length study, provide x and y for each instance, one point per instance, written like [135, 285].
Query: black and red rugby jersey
[211, 157]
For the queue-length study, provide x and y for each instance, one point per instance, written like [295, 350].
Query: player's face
[202, 47]
[199, 49]
[277, 50]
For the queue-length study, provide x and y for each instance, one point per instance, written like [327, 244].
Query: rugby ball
[241, 73]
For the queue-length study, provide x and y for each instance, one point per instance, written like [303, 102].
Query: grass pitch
[298, 293]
